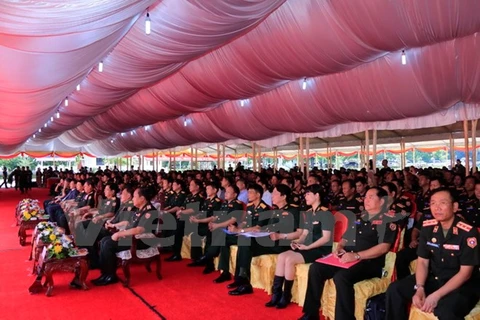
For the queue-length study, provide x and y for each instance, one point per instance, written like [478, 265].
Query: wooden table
[27, 225]
[47, 267]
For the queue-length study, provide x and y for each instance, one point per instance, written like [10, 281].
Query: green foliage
[11, 164]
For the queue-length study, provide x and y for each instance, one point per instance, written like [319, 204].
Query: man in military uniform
[367, 242]
[193, 203]
[211, 205]
[445, 281]
[409, 253]
[471, 210]
[139, 223]
[284, 220]
[334, 195]
[361, 188]
[348, 200]
[173, 204]
[231, 212]
[255, 207]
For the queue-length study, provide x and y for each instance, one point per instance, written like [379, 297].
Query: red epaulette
[431, 222]
[464, 226]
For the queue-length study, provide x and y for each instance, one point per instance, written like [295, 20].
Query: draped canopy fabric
[215, 71]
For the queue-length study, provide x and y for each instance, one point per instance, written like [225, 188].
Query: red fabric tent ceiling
[203, 57]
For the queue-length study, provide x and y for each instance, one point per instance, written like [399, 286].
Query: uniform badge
[390, 213]
[129, 209]
[435, 229]
[147, 215]
[472, 242]
[249, 212]
[285, 213]
[377, 222]
[108, 203]
[295, 199]
[434, 240]
[408, 203]
[393, 226]
[455, 230]
[361, 208]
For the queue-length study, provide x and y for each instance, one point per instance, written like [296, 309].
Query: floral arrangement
[61, 248]
[48, 232]
[29, 209]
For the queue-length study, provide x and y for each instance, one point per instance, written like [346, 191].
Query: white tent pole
[254, 155]
[474, 145]
[307, 147]
[367, 147]
[467, 151]
[374, 150]
[223, 156]
[452, 151]
[275, 158]
[191, 157]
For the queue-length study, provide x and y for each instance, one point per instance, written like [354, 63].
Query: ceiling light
[45, 125]
[78, 87]
[404, 58]
[304, 84]
[33, 136]
[58, 114]
[51, 119]
[148, 24]
[100, 66]
[66, 102]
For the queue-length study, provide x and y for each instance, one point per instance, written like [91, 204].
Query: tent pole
[259, 157]
[174, 160]
[467, 151]
[336, 160]
[196, 158]
[402, 153]
[474, 145]
[191, 158]
[452, 151]
[307, 147]
[218, 156]
[300, 154]
[367, 148]
[254, 155]
[275, 158]
[374, 150]
[359, 157]
[223, 157]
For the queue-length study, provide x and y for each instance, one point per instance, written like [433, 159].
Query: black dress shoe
[98, 279]
[308, 316]
[174, 258]
[241, 290]
[236, 283]
[198, 263]
[109, 279]
[208, 269]
[225, 276]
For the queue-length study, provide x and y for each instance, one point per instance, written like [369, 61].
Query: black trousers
[258, 247]
[455, 305]
[88, 235]
[196, 250]
[108, 259]
[403, 260]
[224, 250]
[344, 280]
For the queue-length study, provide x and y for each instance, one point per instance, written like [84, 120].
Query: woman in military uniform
[310, 242]
[140, 222]
[88, 232]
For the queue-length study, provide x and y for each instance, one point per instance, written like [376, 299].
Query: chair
[364, 289]
[299, 288]
[417, 314]
[144, 256]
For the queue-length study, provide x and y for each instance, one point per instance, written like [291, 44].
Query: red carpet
[184, 293]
